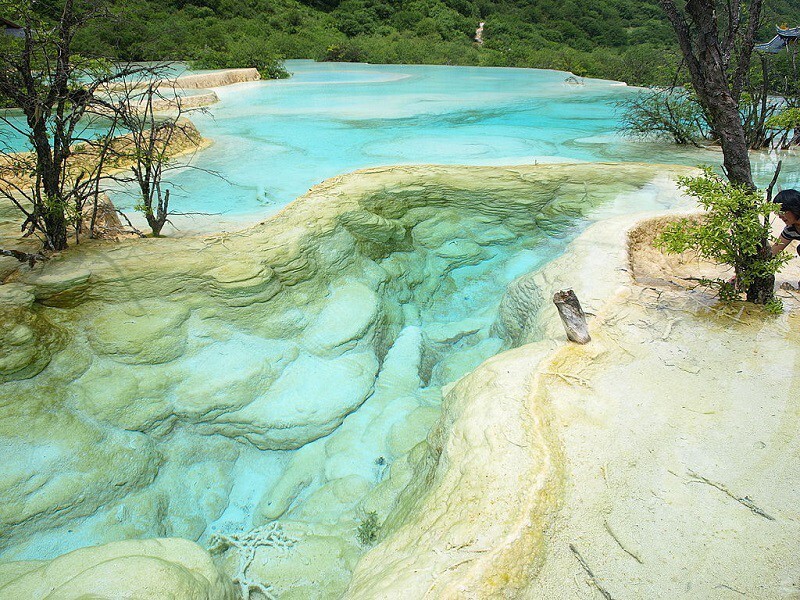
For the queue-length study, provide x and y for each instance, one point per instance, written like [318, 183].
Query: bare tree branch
[25, 257]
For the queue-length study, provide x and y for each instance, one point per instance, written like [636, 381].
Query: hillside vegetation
[620, 39]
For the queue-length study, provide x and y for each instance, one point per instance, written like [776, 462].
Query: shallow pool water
[217, 408]
[273, 140]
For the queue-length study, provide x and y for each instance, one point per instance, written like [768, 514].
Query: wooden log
[572, 316]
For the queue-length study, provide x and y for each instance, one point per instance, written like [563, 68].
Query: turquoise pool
[175, 444]
[275, 139]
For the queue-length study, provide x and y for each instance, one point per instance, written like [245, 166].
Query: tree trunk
[707, 59]
[762, 289]
[55, 224]
[727, 124]
[155, 224]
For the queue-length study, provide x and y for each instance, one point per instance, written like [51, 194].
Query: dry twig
[567, 378]
[745, 501]
[733, 589]
[616, 539]
[246, 544]
[589, 572]
[27, 257]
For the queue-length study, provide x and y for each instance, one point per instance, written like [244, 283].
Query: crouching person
[790, 215]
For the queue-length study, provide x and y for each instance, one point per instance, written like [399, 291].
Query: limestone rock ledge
[345, 284]
[473, 521]
[476, 519]
[141, 569]
[202, 81]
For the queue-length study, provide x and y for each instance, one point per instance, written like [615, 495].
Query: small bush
[347, 52]
[367, 532]
[670, 112]
[244, 53]
[732, 232]
[785, 126]
[786, 119]
[774, 306]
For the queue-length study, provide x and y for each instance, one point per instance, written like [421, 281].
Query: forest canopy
[628, 40]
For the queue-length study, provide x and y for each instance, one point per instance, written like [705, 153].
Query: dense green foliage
[244, 53]
[786, 120]
[731, 232]
[621, 39]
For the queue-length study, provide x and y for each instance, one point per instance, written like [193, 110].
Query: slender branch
[746, 52]
[589, 572]
[745, 501]
[24, 257]
[620, 544]
[774, 181]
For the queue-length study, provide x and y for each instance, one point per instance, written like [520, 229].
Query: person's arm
[779, 245]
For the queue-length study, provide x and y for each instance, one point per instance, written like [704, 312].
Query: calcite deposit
[292, 372]
[146, 570]
[218, 78]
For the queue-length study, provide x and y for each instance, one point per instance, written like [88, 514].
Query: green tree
[671, 112]
[717, 39]
[150, 140]
[730, 232]
[57, 92]
[248, 52]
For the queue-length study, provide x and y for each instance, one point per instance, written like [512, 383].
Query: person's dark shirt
[790, 233]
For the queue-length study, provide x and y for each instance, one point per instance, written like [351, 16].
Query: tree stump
[572, 316]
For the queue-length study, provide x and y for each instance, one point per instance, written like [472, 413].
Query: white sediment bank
[663, 453]
[200, 81]
[678, 426]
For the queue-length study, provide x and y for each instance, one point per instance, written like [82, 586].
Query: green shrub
[732, 232]
[785, 120]
[774, 306]
[346, 52]
[367, 532]
[244, 53]
[672, 112]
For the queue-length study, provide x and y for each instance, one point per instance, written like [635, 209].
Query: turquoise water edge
[272, 141]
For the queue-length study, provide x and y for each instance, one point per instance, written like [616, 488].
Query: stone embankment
[169, 89]
[173, 102]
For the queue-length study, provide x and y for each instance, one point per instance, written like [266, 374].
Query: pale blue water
[272, 141]
[275, 139]
[12, 140]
